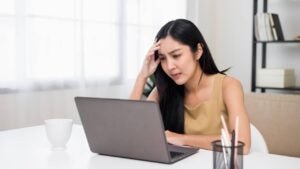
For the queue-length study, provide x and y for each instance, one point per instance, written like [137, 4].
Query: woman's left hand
[174, 138]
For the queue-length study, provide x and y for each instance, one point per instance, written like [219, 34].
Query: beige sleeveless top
[205, 118]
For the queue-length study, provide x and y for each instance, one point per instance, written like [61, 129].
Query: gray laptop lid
[125, 128]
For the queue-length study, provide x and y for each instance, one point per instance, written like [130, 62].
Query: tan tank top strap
[218, 83]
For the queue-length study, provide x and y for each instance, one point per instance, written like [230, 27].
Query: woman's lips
[175, 76]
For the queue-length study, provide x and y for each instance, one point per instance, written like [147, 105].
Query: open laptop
[127, 128]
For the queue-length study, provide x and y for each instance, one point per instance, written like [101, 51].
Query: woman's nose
[170, 64]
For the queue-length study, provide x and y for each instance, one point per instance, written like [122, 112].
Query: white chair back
[258, 143]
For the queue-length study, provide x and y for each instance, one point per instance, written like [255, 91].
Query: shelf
[280, 88]
[285, 41]
[259, 50]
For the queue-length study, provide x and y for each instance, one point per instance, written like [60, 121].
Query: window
[51, 43]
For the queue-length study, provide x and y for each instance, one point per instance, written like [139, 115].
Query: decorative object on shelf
[275, 77]
[297, 38]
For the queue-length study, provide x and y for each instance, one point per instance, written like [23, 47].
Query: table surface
[28, 148]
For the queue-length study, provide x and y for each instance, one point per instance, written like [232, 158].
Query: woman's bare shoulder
[230, 82]
[232, 87]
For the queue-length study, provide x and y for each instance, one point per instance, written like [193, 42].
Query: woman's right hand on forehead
[150, 64]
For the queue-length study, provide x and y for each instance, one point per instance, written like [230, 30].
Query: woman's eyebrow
[160, 54]
[173, 51]
[170, 53]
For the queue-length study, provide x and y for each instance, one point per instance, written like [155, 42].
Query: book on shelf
[276, 26]
[260, 27]
[267, 27]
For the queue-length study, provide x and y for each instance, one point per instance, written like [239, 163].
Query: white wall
[32, 108]
[227, 27]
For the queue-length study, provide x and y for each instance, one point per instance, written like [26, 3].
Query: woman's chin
[179, 82]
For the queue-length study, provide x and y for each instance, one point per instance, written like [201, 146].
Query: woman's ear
[199, 51]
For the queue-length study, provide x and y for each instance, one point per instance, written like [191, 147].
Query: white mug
[58, 132]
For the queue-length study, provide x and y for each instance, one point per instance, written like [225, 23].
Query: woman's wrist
[138, 87]
[142, 76]
[141, 80]
[184, 139]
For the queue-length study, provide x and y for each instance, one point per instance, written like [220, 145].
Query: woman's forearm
[200, 141]
[203, 141]
[137, 91]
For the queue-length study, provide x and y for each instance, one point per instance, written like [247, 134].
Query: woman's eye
[176, 56]
[162, 58]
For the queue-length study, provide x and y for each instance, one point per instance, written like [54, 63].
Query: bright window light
[73, 42]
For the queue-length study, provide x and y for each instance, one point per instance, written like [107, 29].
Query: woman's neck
[196, 81]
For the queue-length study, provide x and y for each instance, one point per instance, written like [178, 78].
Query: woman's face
[177, 60]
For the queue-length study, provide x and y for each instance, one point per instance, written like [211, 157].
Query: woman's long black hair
[171, 95]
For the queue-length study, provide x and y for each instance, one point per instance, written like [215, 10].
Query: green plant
[150, 84]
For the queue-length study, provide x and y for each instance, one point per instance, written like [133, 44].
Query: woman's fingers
[151, 53]
[150, 64]
[174, 138]
[154, 48]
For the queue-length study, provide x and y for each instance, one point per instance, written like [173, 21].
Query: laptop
[127, 128]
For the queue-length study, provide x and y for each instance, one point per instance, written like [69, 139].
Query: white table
[28, 148]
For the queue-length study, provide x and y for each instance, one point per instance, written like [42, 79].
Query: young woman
[192, 93]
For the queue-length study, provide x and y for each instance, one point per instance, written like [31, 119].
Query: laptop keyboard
[176, 154]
